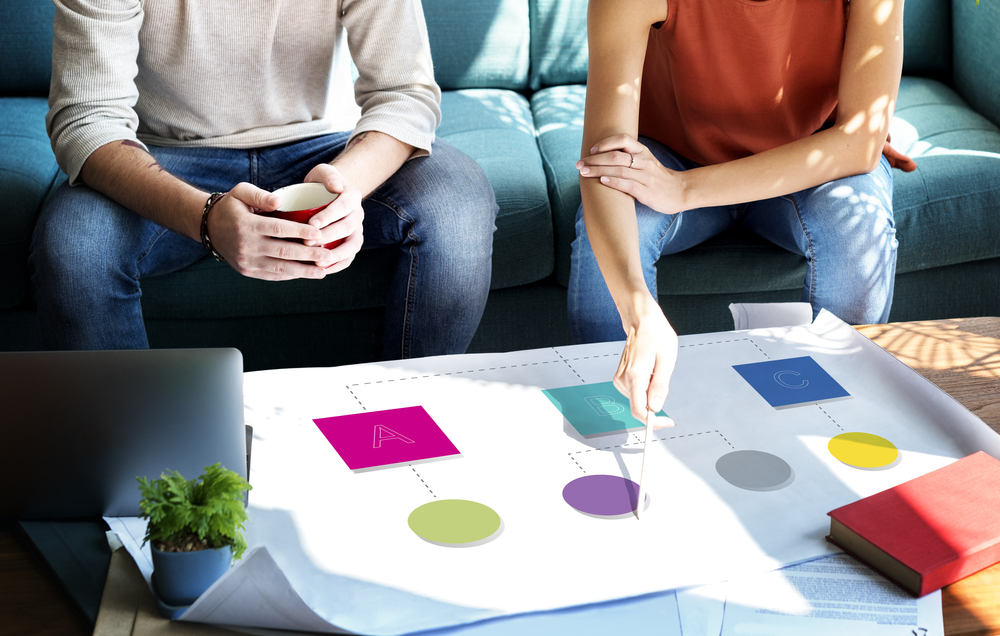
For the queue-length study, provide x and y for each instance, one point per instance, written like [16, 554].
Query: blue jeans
[844, 228]
[89, 254]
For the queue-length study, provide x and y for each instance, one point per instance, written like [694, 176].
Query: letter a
[604, 405]
[381, 436]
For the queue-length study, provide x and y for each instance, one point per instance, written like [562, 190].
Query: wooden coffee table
[962, 356]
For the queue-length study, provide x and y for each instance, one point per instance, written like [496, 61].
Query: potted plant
[195, 530]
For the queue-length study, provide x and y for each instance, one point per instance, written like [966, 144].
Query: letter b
[604, 405]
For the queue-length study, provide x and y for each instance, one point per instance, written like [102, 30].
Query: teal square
[595, 409]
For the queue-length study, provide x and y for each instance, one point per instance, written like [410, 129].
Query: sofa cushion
[27, 171]
[212, 290]
[495, 128]
[977, 49]
[26, 47]
[946, 210]
[558, 113]
[558, 42]
[479, 44]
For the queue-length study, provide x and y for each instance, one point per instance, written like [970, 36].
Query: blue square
[595, 409]
[791, 382]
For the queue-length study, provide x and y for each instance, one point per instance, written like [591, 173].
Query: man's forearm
[370, 158]
[124, 172]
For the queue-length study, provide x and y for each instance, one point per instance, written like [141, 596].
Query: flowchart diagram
[507, 483]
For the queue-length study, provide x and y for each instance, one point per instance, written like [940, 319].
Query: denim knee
[850, 244]
[451, 209]
[73, 242]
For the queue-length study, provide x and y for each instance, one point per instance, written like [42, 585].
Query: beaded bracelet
[213, 198]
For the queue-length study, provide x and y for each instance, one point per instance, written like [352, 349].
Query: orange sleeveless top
[725, 79]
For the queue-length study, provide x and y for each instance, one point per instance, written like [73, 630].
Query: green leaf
[210, 508]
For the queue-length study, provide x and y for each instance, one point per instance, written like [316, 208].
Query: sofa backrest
[927, 38]
[26, 47]
[479, 43]
[520, 44]
[977, 55]
[558, 42]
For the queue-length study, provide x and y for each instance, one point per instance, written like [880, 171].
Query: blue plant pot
[181, 577]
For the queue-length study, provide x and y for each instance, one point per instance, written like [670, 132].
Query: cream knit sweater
[233, 73]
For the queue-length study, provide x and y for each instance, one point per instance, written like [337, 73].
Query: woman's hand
[647, 362]
[622, 163]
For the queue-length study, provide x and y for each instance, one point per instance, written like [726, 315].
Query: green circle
[454, 522]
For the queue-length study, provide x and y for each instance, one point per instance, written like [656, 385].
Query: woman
[773, 114]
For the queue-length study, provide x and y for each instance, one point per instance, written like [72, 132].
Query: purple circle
[602, 495]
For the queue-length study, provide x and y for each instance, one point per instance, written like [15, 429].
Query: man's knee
[460, 203]
[75, 237]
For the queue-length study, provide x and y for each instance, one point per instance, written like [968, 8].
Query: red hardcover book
[929, 531]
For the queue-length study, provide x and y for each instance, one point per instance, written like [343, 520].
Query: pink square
[381, 439]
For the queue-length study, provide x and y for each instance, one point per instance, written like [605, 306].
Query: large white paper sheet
[342, 541]
[254, 596]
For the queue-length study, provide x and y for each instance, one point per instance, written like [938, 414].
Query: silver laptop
[78, 427]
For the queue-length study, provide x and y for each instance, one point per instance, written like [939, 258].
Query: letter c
[780, 380]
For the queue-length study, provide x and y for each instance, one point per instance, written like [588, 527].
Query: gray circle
[755, 470]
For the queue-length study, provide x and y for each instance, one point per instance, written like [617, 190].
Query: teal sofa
[513, 74]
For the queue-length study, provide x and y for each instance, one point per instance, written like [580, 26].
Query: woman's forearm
[826, 156]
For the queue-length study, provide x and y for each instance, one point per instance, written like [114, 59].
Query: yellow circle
[863, 450]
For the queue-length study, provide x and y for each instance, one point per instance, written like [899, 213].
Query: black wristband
[205, 240]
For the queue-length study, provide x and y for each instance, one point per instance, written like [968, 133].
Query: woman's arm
[617, 33]
[869, 82]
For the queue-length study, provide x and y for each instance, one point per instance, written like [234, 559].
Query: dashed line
[759, 349]
[658, 439]
[438, 375]
[422, 480]
[576, 462]
[356, 397]
[726, 440]
[570, 366]
[701, 344]
[566, 361]
[562, 359]
[830, 416]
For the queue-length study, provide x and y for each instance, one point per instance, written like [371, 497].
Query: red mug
[300, 202]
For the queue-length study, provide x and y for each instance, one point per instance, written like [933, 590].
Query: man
[176, 119]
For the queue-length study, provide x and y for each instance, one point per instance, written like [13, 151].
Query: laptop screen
[78, 427]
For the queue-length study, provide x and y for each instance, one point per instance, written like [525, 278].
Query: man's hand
[253, 244]
[342, 219]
